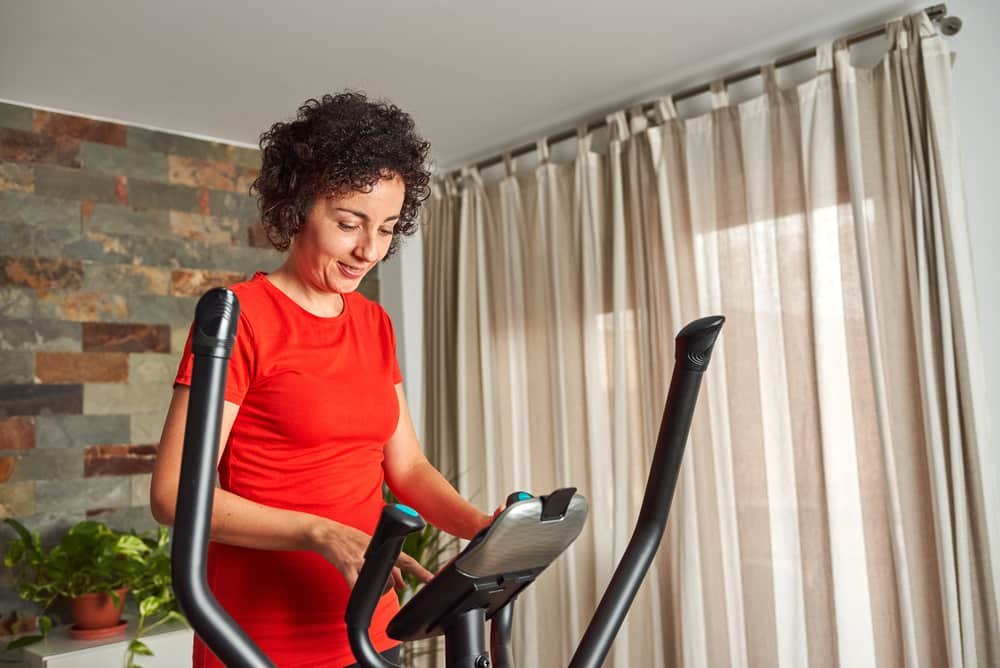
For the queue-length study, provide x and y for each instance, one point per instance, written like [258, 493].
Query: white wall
[401, 288]
[977, 96]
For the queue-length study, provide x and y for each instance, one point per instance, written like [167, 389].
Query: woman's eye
[384, 232]
[347, 226]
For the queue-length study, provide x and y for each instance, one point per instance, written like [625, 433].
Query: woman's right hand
[344, 547]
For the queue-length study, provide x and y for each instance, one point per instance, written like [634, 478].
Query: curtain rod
[950, 25]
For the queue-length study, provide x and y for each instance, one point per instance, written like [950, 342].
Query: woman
[315, 417]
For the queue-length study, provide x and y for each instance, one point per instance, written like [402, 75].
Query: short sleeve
[397, 375]
[241, 364]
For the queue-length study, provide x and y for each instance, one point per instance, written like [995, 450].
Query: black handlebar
[393, 526]
[215, 323]
[692, 354]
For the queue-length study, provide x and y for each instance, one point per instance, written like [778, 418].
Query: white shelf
[171, 645]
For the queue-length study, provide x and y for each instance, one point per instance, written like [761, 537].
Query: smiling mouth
[349, 271]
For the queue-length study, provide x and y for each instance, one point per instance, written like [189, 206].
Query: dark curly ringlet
[337, 144]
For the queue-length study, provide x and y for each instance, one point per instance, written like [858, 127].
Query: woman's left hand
[486, 520]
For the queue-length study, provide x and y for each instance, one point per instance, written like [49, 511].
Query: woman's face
[345, 235]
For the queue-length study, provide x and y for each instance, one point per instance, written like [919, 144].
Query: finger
[411, 566]
[397, 576]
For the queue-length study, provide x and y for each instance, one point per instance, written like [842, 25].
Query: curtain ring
[922, 25]
[664, 109]
[720, 96]
[471, 176]
[583, 138]
[617, 126]
[892, 29]
[542, 147]
[824, 57]
[637, 120]
[769, 76]
[903, 38]
[508, 163]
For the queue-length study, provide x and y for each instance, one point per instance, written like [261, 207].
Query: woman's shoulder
[254, 295]
[363, 307]
[250, 287]
[256, 305]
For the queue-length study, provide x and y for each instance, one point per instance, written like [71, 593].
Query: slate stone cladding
[109, 233]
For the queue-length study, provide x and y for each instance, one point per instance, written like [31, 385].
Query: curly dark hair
[337, 144]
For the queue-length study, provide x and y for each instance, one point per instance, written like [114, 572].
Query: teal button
[521, 496]
[407, 510]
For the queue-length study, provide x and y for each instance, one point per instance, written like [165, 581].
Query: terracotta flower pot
[97, 611]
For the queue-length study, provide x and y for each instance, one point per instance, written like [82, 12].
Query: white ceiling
[476, 76]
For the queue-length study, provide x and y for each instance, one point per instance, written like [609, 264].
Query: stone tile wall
[108, 235]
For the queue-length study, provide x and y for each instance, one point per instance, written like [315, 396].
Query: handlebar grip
[693, 347]
[514, 497]
[394, 525]
[396, 521]
[215, 320]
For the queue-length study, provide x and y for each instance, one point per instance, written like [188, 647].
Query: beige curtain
[830, 507]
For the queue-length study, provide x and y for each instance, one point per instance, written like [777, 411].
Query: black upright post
[394, 525]
[692, 354]
[465, 641]
[500, 633]
[214, 332]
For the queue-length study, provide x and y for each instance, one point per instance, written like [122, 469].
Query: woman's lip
[349, 271]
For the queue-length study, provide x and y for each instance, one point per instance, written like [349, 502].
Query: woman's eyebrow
[362, 214]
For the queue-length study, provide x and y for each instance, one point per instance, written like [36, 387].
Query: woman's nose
[366, 249]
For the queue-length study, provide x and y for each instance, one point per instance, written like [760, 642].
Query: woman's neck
[291, 280]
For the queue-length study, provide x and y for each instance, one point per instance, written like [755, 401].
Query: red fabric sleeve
[241, 364]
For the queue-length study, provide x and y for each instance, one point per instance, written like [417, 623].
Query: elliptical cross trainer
[479, 584]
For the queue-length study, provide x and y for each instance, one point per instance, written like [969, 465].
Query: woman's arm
[242, 522]
[417, 483]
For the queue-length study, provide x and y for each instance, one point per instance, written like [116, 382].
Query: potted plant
[95, 565]
[88, 567]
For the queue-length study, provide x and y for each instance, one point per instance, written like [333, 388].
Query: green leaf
[150, 605]
[139, 647]
[22, 531]
[14, 554]
[132, 546]
[44, 624]
[177, 616]
[24, 641]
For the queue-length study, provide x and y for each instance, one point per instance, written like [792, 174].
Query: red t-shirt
[317, 403]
